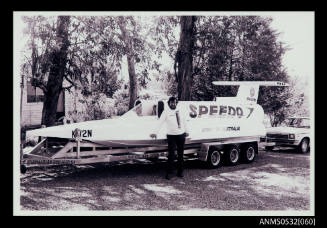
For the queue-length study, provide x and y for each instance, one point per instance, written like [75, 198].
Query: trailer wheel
[249, 153]
[23, 169]
[213, 159]
[233, 155]
[304, 146]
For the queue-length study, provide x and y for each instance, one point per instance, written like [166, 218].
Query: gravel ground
[276, 180]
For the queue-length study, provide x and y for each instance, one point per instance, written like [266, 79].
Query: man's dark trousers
[173, 142]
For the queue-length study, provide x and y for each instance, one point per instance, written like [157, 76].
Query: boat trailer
[54, 151]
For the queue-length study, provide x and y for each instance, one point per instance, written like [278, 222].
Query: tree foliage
[235, 48]
[93, 55]
[204, 48]
[49, 46]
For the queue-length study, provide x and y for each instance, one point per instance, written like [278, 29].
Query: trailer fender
[204, 150]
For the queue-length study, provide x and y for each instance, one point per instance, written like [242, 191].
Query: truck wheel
[249, 153]
[214, 159]
[304, 146]
[23, 169]
[233, 155]
[269, 148]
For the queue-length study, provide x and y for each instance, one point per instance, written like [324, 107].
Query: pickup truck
[295, 132]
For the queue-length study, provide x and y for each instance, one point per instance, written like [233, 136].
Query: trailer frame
[80, 152]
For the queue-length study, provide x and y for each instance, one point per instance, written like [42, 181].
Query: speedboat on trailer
[226, 118]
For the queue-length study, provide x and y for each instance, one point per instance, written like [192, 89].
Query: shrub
[121, 103]
[94, 107]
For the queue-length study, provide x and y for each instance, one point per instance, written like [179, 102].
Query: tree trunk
[230, 73]
[57, 71]
[132, 81]
[130, 63]
[184, 57]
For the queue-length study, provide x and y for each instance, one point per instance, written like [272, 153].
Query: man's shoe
[168, 177]
[180, 174]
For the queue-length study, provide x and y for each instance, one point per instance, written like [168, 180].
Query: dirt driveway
[277, 180]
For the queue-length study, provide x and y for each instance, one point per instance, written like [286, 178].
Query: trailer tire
[249, 152]
[233, 155]
[213, 159]
[23, 169]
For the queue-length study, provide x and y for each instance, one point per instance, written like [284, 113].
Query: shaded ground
[276, 180]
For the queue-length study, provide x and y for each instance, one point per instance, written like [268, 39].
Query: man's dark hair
[137, 102]
[172, 99]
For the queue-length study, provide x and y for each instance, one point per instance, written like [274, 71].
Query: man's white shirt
[175, 121]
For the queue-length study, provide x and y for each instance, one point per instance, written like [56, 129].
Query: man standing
[176, 133]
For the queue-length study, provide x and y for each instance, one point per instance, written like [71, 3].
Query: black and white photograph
[171, 113]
